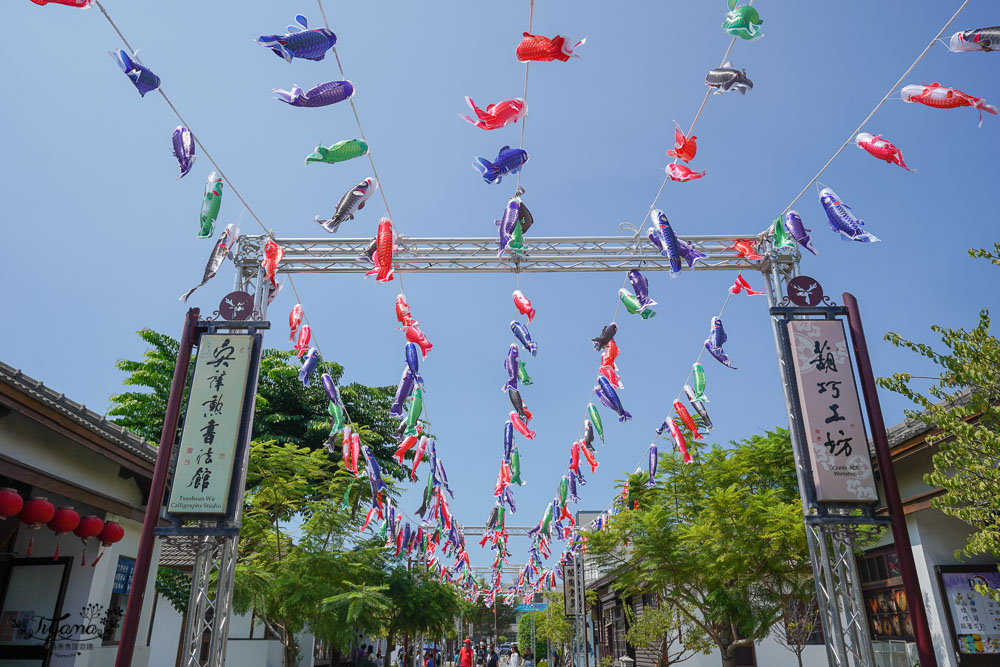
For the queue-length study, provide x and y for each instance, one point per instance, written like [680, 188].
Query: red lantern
[36, 513]
[11, 503]
[64, 520]
[113, 532]
[90, 526]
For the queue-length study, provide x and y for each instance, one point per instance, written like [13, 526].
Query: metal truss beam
[486, 569]
[479, 255]
[513, 531]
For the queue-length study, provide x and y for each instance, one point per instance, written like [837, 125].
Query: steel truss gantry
[512, 531]
[479, 255]
[831, 540]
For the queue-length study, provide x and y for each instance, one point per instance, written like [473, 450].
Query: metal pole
[900, 534]
[533, 656]
[130, 624]
[824, 587]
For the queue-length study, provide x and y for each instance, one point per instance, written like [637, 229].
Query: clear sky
[100, 239]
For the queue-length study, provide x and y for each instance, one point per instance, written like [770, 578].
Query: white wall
[769, 654]
[935, 536]
[255, 653]
[167, 628]
[241, 651]
[28, 442]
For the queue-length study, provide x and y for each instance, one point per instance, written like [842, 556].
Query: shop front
[72, 495]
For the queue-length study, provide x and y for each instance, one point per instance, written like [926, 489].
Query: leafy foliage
[661, 627]
[524, 635]
[963, 408]
[480, 616]
[720, 541]
[302, 563]
[142, 411]
[285, 410]
[175, 586]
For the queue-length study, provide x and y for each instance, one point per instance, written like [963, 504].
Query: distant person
[368, 660]
[529, 658]
[492, 657]
[515, 657]
[465, 657]
[481, 653]
[429, 659]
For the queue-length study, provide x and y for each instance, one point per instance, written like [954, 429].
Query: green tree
[142, 411]
[524, 636]
[286, 577]
[963, 408]
[718, 541]
[481, 616]
[319, 575]
[419, 603]
[662, 627]
[285, 410]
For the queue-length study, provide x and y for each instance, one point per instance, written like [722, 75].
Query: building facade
[62, 597]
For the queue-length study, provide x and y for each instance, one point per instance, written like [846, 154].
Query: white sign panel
[205, 459]
[831, 412]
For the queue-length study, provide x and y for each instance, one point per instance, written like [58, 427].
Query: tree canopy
[721, 541]
[963, 408]
[302, 563]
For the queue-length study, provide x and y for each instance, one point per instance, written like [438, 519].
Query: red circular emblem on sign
[236, 306]
[804, 291]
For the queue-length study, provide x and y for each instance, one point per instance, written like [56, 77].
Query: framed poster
[973, 618]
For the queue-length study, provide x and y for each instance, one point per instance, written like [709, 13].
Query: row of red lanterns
[37, 512]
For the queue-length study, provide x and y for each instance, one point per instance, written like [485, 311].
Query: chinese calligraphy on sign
[975, 617]
[831, 412]
[211, 427]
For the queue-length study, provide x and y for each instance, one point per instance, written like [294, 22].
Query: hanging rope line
[850, 138]
[815, 178]
[649, 210]
[185, 124]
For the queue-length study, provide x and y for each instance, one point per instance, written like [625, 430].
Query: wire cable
[878, 106]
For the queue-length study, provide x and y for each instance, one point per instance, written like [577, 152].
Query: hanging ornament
[65, 519]
[36, 513]
[89, 526]
[11, 503]
[112, 532]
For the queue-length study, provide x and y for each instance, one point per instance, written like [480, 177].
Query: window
[885, 602]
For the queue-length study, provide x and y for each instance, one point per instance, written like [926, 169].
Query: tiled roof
[911, 428]
[78, 413]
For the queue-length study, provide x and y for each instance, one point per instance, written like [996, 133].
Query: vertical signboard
[209, 439]
[569, 588]
[831, 412]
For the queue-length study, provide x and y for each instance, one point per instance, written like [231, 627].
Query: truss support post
[580, 648]
[209, 610]
[831, 544]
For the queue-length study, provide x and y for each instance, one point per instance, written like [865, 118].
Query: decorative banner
[831, 412]
[205, 460]
[975, 618]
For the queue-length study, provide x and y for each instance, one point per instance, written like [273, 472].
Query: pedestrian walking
[529, 658]
[492, 657]
[515, 657]
[465, 657]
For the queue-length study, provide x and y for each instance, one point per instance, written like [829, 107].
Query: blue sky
[100, 237]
